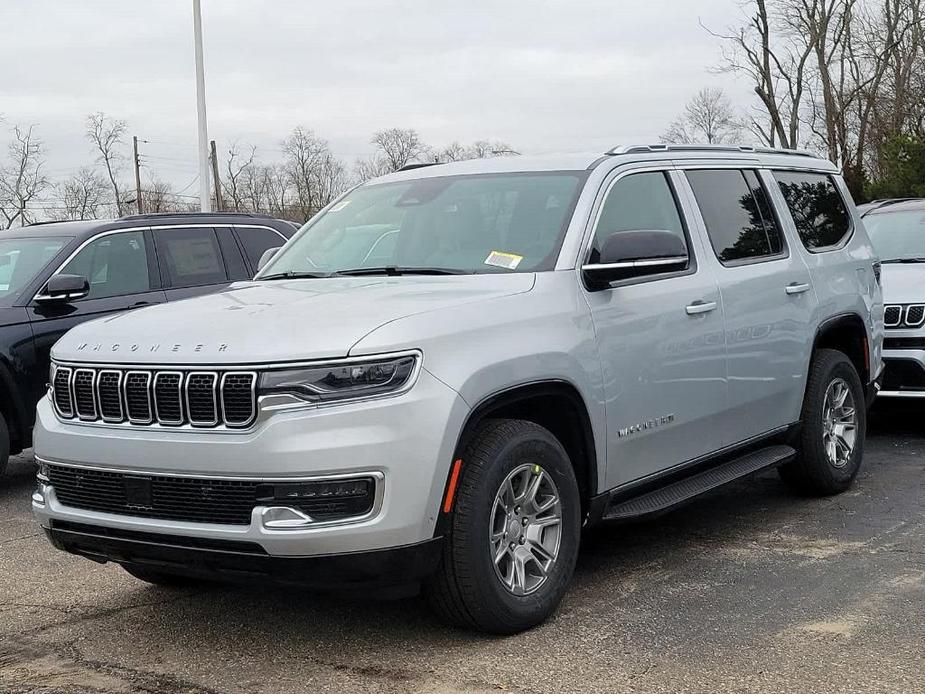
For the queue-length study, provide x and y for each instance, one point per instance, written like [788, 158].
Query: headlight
[336, 382]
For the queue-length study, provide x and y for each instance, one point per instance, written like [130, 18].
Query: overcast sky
[544, 76]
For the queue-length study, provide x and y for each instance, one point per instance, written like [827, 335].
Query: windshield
[22, 258]
[897, 235]
[462, 224]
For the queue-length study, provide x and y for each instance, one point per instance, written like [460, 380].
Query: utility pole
[216, 182]
[138, 204]
[205, 203]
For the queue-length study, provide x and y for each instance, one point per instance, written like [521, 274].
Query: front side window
[638, 202]
[737, 214]
[459, 224]
[21, 259]
[897, 236]
[115, 265]
[191, 256]
[817, 208]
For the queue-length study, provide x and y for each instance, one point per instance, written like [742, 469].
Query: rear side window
[257, 241]
[737, 214]
[818, 210]
[637, 202]
[191, 256]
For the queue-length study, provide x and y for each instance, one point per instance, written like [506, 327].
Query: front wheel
[833, 427]
[514, 533]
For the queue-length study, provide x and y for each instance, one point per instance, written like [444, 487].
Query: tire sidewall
[813, 447]
[520, 611]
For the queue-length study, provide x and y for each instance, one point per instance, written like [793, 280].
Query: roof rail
[739, 149]
[879, 204]
[419, 165]
[155, 215]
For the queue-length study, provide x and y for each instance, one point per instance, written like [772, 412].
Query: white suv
[451, 370]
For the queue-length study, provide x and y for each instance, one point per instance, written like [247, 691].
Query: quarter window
[116, 264]
[738, 216]
[637, 202]
[818, 210]
[258, 241]
[191, 256]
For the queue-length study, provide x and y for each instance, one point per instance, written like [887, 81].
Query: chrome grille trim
[99, 395]
[920, 310]
[157, 400]
[910, 316]
[128, 405]
[126, 396]
[62, 391]
[76, 390]
[214, 418]
[239, 423]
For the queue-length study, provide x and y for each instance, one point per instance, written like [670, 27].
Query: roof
[631, 153]
[896, 205]
[52, 229]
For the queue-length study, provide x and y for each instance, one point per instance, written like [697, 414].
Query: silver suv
[452, 370]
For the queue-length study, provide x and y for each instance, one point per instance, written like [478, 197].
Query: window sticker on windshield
[339, 206]
[509, 261]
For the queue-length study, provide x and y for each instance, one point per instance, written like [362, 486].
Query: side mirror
[64, 289]
[266, 257]
[630, 254]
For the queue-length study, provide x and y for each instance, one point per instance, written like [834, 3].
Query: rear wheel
[513, 540]
[4, 444]
[833, 427]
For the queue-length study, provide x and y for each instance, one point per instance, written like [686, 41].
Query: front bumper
[384, 568]
[904, 371]
[408, 440]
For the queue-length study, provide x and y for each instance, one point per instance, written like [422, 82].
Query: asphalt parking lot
[749, 589]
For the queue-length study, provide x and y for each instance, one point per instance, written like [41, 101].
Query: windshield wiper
[293, 275]
[395, 271]
[911, 259]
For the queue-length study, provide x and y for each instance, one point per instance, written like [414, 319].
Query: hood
[279, 321]
[903, 283]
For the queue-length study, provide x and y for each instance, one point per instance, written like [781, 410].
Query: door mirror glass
[630, 254]
[266, 257]
[64, 289]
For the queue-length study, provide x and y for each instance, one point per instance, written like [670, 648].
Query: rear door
[192, 262]
[123, 275]
[768, 299]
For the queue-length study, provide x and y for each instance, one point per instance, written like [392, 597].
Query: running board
[683, 490]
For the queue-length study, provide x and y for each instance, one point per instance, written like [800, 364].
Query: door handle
[700, 306]
[139, 304]
[797, 287]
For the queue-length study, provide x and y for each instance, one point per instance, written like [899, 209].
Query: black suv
[56, 275]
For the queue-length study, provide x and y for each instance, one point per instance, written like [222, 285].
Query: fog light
[322, 500]
[42, 473]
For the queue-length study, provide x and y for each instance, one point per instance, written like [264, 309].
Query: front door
[768, 299]
[660, 339]
[123, 275]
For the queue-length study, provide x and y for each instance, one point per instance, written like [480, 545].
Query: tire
[164, 579]
[814, 472]
[468, 589]
[4, 444]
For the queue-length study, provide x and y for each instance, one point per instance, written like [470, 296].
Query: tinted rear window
[818, 210]
[737, 214]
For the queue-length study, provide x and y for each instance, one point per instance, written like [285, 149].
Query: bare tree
[398, 146]
[22, 179]
[235, 166]
[709, 117]
[315, 174]
[83, 195]
[480, 149]
[106, 134]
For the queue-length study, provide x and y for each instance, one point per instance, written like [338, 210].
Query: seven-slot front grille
[904, 315]
[168, 398]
